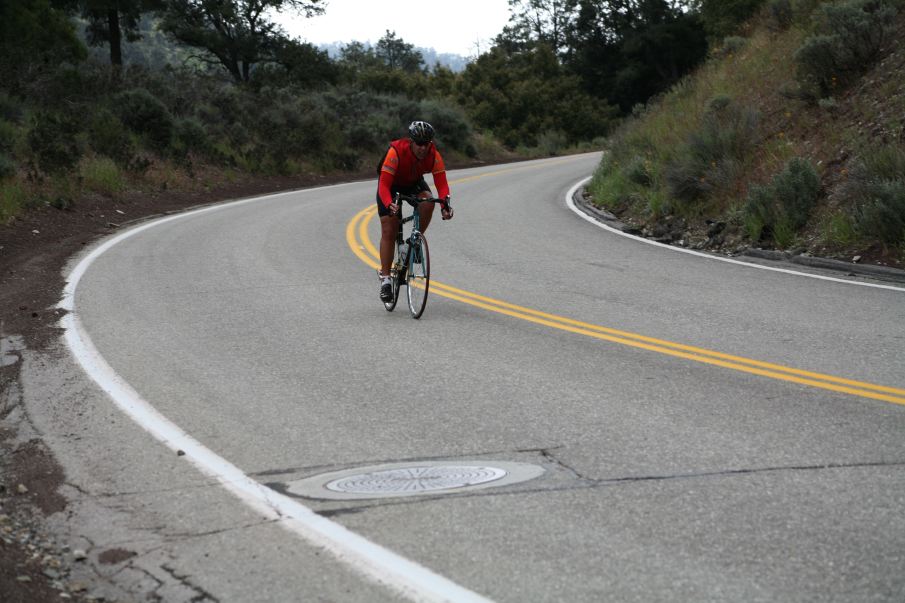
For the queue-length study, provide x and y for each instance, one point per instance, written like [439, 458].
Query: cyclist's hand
[446, 210]
[394, 208]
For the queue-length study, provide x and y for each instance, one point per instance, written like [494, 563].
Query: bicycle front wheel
[418, 277]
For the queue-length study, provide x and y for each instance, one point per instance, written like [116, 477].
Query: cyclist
[402, 171]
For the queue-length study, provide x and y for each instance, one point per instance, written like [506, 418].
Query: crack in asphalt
[176, 535]
[102, 495]
[547, 453]
[132, 567]
[733, 472]
[589, 483]
[203, 595]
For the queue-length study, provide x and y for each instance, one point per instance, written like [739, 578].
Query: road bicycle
[411, 264]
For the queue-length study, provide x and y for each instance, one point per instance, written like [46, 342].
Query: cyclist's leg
[425, 210]
[389, 226]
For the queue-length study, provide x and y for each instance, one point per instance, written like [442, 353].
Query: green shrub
[610, 187]
[781, 13]
[863, 26]
[723, 17]
[7, 167]
[797, 189]
[453, 129]
[551, 142]
[102, 175]
[876, 190]
[230, 107]
[882, 163]
[819, 65]
[191, 135]
[144, 114]
[839, 229]
[829, 103]
[238, 135]
[363, 137]
[345, 159]
[850, 37]
[783, 232]
[53, 143]
[292, 128]
[781, 208]
[732, 45]
[12, 199]
[10, 108]
[209, 115]
[802, 10]
[8, 135]
[639, 171]
[711, 156]
[719, 102]
[758, 211]
[883, 216]
[108, 136]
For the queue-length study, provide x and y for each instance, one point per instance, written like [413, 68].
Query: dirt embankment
[34, 249]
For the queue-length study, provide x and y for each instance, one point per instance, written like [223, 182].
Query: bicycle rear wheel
[418, 277]
[391, 305]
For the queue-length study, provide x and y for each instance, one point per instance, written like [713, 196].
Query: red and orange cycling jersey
[401, 169]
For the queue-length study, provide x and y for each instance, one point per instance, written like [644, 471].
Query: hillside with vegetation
[104, 98]
[790, 137]
[729, 124]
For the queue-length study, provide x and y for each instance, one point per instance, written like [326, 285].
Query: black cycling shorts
[419, 187]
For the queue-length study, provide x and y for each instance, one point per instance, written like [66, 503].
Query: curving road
[707, 431]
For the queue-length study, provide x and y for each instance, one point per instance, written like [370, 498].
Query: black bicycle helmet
[421, 132]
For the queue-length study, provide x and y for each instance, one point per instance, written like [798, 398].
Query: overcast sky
[454, 26]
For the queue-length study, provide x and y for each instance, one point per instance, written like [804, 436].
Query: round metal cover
[416, 479]
[412, 479]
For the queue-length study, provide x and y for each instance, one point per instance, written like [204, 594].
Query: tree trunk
[116, 50]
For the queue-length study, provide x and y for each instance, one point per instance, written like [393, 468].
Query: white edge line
[571, 204]
[374, 562]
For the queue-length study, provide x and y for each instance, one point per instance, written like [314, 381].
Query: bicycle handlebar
[414, 200]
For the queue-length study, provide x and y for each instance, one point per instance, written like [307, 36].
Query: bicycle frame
[415, 217]
[412, 264]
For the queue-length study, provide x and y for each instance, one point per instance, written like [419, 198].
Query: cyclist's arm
[387, 175]
[439, 173]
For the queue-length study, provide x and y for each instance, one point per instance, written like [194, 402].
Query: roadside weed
[12, 200]
[102, 175]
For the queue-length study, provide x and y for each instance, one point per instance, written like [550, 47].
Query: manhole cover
[416, 479]
[411, 479]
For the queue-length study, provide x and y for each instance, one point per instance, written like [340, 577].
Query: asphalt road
[707, 431]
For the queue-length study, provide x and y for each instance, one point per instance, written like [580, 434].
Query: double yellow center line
[361, 245]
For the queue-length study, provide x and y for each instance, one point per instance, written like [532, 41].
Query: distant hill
[454, 62]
